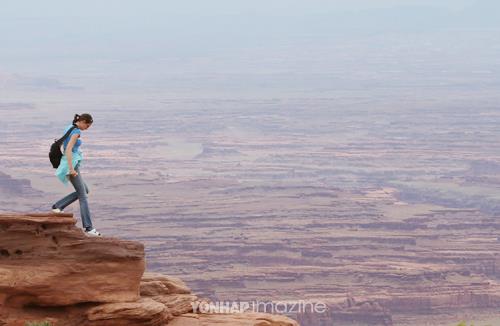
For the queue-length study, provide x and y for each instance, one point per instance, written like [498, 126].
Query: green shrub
[38, 323]
[462, 323]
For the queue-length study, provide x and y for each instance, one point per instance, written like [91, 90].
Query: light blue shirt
[75, 131]
[62, 172]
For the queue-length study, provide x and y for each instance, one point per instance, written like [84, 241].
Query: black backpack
[55, 153]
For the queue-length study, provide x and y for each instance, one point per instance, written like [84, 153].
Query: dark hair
[84, 116]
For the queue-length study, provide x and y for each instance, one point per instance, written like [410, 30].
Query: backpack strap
[60, 140]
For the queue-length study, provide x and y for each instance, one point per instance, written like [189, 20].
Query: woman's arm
[69, 153]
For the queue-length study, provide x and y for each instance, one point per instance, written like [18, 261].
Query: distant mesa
[209, 152]
[12, 186]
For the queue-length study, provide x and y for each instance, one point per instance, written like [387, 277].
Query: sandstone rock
[177, 304]
[144, 311]
[186, 320]
[157, 284]
[46, 260]
[236, 319]
[245, 319]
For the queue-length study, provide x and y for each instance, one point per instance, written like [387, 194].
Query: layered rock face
[50, 271]
[48, 261]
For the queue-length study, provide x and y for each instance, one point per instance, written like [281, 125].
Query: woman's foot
[56, 210]
[92, 233]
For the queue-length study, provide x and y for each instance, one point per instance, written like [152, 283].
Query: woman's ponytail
[76, 118]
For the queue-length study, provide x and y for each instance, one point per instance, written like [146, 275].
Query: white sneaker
[57, 210]
[93, 233]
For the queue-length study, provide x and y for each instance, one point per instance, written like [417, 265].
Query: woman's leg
[69, 199]
[81, 191]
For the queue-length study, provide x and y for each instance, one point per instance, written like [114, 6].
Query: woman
[69, 169]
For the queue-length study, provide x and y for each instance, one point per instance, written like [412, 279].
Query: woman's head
[83, 121]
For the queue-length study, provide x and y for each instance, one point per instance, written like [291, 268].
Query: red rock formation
[49, 270]
[48, 261]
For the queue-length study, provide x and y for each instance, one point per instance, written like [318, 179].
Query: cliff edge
[50, 271]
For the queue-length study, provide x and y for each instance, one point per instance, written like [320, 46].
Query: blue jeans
[81, 194]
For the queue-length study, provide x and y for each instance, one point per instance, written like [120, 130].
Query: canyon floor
[399, 209]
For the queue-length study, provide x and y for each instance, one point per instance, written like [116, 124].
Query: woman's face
[83, 125]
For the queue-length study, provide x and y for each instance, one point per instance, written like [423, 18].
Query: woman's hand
[69, 154]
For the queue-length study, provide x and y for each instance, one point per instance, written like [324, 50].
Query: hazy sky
[36, 32]
[110, 8]
[39, 21]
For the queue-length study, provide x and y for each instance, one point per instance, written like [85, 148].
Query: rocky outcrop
[49, 270]
[48, 261]
[144, 311]
[235, 319]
